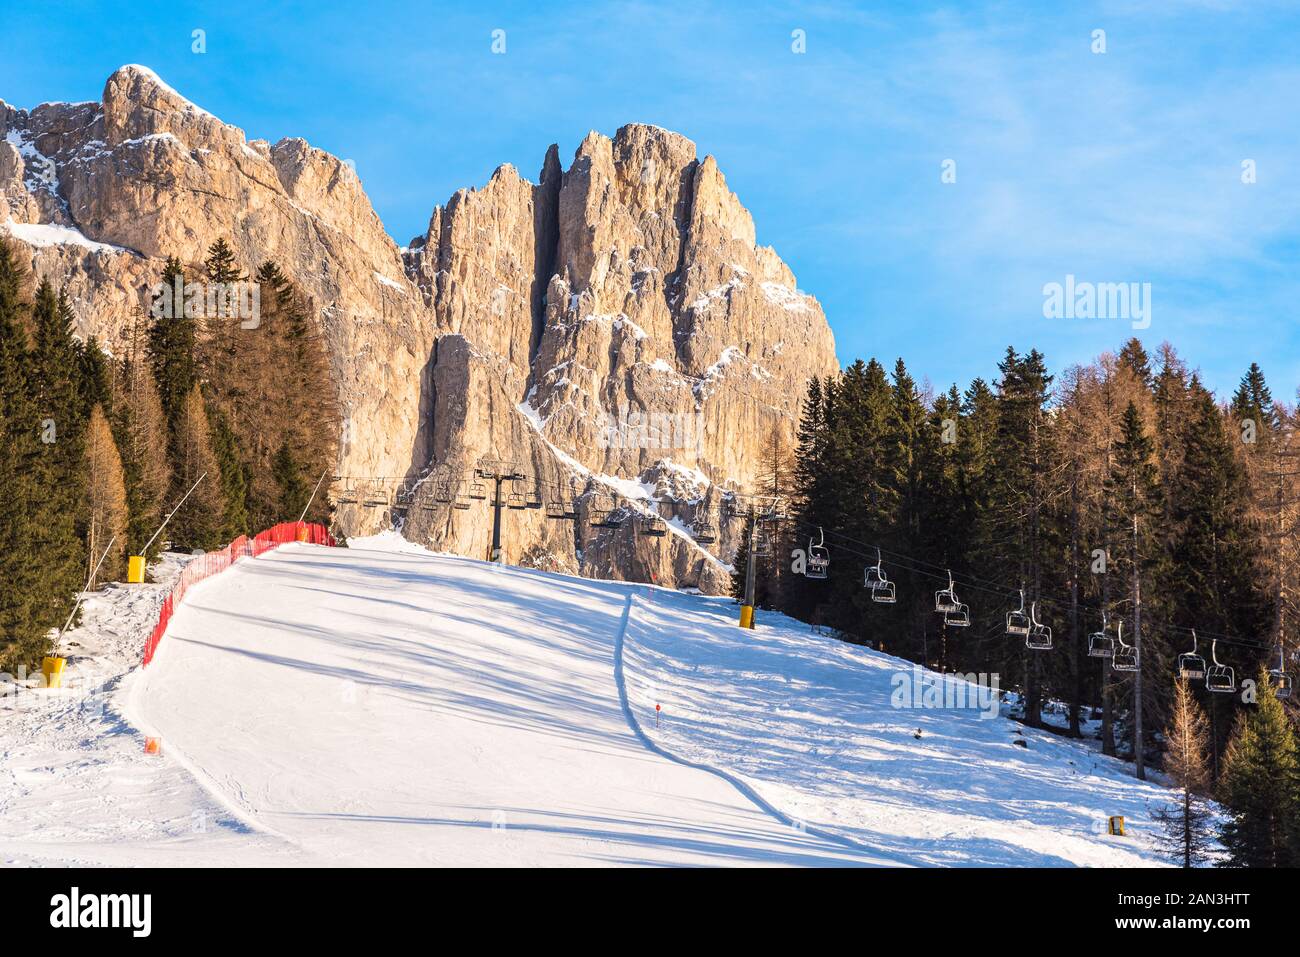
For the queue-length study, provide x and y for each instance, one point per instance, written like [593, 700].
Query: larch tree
[140, 428]
[1186, 825]
[198, 522]
[106, 502]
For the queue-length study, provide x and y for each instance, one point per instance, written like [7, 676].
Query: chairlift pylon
[819, 557]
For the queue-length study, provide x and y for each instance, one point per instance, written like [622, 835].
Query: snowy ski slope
[381, 705]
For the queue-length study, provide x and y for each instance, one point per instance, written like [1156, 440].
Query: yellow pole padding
[52, 669]
[1116, 825]
[135, 570]
[746, 616]
[304, 533]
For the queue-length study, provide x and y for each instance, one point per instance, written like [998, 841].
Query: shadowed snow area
[385, 707]
[381, 705]
[806, 720]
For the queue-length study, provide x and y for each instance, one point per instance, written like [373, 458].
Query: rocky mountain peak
[542, 323]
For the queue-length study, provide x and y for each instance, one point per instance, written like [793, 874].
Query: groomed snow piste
[381, 705]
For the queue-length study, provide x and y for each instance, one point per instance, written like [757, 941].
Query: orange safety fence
[205, 566]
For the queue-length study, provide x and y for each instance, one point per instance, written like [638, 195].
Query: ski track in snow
[805, 720]
[383, 705]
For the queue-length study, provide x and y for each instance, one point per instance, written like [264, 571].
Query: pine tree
[220, 265]
[1134, 501]
[93, 377]
[1215, 548]
[53, 367]
[1019, 535]
[273, 387]
[1254, 402]
[234, 487]
[171, 345]
[1186, 825]
[1259, 788]
[288, 476]
[24, 624]
[1133, 357]
[106, 503]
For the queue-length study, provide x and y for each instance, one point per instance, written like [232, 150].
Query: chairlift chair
[1018, 622]
[376, 498]
[477, 491]
[442, 491]
[651, 525]
[532, 498]
[875, 579]
[762, 543]
[1190, 664]
[704, 532]
[1219, 677]
[1125, 656]
[461, 501]
[610, 517]
[945, 600]
[348, 496]
[819, 557]
[1100, 644]
[516, 500]
[1040, 635]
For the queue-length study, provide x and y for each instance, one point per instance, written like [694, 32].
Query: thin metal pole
[751, 562]
[313, 495]
[58, 641]
[145, 550]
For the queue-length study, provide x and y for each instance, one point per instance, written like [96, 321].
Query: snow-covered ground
[384, 705]
[76, 787]
[807, 722]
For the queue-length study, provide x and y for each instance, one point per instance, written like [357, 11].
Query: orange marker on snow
[153, 745]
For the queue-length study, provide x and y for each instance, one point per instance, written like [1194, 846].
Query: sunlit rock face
[612, 330]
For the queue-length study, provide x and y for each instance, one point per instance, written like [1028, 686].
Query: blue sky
[1123, 166]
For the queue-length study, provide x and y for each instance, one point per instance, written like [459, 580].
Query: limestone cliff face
[613, 330]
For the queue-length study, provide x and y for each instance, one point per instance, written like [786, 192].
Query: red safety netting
[210, 564]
